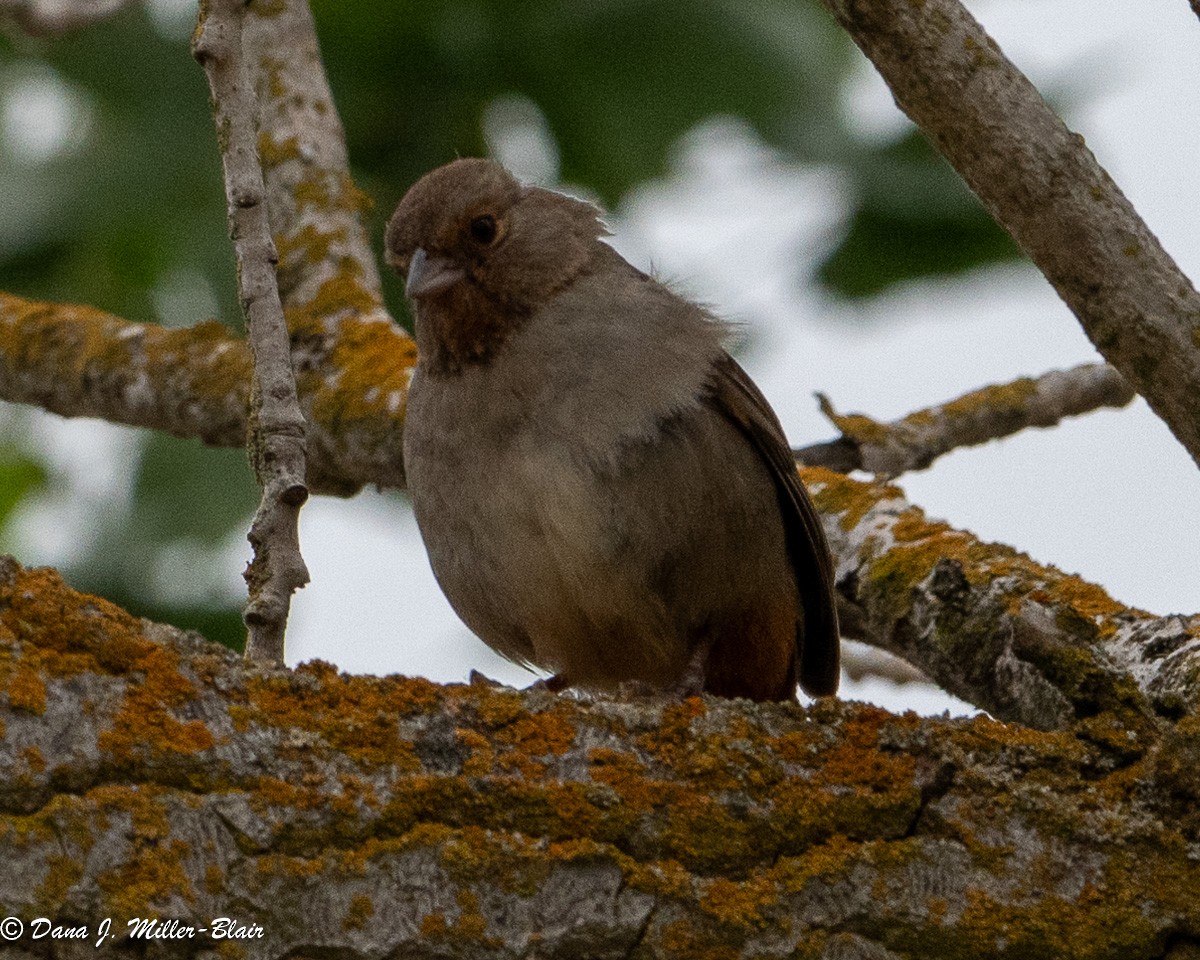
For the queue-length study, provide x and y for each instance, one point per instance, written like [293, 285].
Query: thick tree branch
[1026, 642]
[1043, 185]
[277, 426]
[327, 268]
[144, 773]
[352, 362]
[80, 362]
[77, 361]
[913, 443]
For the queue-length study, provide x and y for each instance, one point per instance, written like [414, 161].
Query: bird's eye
[483, 229]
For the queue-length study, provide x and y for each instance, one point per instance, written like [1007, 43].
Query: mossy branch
[1026, 642]
[145, 773]
[1000, 410]
[77, 361]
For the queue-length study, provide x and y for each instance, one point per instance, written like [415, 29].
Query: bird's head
[480, 253]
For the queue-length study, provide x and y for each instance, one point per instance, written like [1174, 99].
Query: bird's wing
[735, 397]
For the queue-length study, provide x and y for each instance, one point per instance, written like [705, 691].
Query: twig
[277, 433]
[1040, 181]
[45, 18]
[913, 443]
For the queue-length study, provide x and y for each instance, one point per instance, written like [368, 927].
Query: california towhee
[603, 491]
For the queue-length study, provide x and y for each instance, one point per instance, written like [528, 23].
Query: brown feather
[736, 397]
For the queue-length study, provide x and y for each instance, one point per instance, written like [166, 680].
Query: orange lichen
[360, 911]
[913, 525]
[739, 904]
[147, 880]
[626, 775]
[997, 398]
[434, 926]
[214, 880]
[354, 714]
[27, 691]
[306, 246]
[547, 733]
[848, 499]
[274, 152]
[34, 759]
[145, 721]
[63, 873]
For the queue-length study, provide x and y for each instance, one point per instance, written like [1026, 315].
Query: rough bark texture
[914, 442]
[1040, 181]
[146, 774]
[1026, 642]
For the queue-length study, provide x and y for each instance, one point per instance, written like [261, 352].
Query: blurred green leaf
[19, 475]
[188, 491]
[619, 82]
[914, 218]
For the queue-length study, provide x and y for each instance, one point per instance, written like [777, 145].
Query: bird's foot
[555, 684]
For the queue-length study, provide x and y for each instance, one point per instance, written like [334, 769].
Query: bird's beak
[429, 275]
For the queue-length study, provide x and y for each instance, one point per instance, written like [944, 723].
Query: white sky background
[1110, 496]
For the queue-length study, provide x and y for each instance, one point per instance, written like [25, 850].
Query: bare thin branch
[1043, 185]
[47, 18]
[277, 426]
[913, 443]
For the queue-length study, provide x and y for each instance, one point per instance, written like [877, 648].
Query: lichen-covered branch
[1026, 642]
[352, 362]
[327, 268]
[886, 552]
[81, 362]
[77, 361]
[913, 443]
[55, 17]
[144, 773]
[1040, 181]
[276, 436]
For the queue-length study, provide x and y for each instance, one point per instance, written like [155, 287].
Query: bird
[603, 492]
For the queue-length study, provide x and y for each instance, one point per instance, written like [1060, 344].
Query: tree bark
[147, 774]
